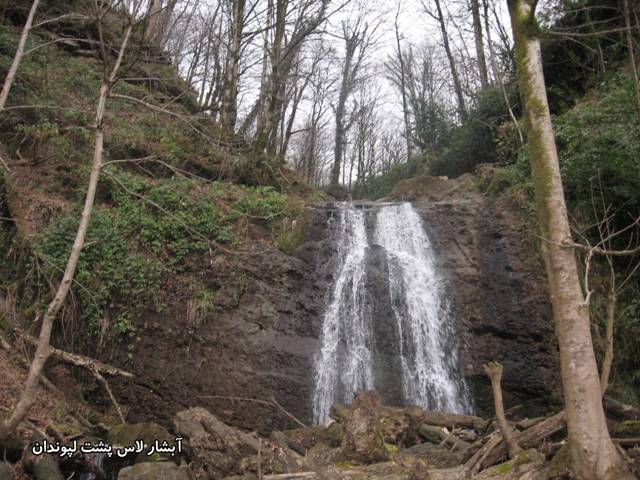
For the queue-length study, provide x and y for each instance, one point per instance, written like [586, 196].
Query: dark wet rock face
[261, 338]
[497, 291]
[258, 342]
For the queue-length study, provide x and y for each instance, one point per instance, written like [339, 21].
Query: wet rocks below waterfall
[362, 440]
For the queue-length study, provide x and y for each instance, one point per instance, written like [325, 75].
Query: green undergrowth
[598, 144]
[144, 230]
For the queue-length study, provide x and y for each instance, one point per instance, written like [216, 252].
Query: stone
[528, 465]
[363, 440]
[46, 468]
[219, 450]
[5, 471]
[560, 465]
[149, 432]
[439, 436]
[419, 471]
[436, 456]
[155, 471]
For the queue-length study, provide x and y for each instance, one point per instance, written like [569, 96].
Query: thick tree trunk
[43, 349]
[594, 456]
[477, 30]
[230, 95]
[17, 58]
[457, 85]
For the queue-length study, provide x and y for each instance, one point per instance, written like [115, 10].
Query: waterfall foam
[421, 319]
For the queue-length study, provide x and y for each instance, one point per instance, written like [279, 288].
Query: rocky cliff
[260, 342]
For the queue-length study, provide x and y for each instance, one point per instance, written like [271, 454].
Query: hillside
[300, 285]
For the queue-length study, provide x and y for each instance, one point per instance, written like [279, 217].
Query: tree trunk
[632, 55]
[477, 30]
[17, 58]
[462, 109]
[494, 372]
[43, 350]
[403, 88]
[230, 95]
[154, 22]
[612, 303]
[593, 455]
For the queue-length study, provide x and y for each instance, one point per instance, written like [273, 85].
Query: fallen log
[527, 438]
[452, 420]
[627, 442]
[474, 464]
[78, 360]
[620, 410]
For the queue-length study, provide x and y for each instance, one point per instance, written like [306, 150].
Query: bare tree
[43, 349]
[311, 143]
[477, 30]
[403, 83]
[457, 84]
[230, 95]
[358, 39]
[593, 455]
[17, 58]
[282, 53]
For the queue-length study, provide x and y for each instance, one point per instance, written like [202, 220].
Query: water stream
[425, 350]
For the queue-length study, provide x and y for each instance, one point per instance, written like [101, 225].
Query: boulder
[439, 435]
[155, 471]
[303, 439]
[527, 465]
[5, 471]
[363, 440]
[419, 471]
[218, 450]
[46, 468]
[436, 456]
[127, 434]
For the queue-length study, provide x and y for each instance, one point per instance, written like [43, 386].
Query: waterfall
[344, 364]
[423, 321]
[424, 331]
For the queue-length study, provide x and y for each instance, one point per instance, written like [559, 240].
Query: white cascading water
[430, 371]
[344, 365]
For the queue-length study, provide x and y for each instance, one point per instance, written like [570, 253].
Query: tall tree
[593, 455]
[282, 54]
[477, 31]
[230, 95]
[403, 84]
[17, 58]
[358, 39]
[457, 84]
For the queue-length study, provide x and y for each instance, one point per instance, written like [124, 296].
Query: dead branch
[105, 384]
[77, 360]
[494, 372]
